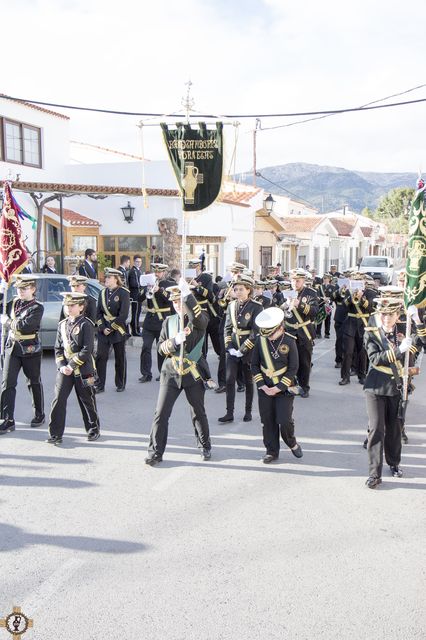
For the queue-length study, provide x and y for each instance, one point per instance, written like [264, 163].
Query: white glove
[414, 313]
[405, 345]
[180, 337]
[4, 318]
[233, 352]
[184, 288]
[239, 354]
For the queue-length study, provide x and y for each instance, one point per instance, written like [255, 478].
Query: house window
[265, 259]
[81, 243]
[21, 143]
[242, 254]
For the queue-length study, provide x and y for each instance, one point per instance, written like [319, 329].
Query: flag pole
[3, 327]
[406, 360]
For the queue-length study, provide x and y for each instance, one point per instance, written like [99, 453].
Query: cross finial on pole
[188, 101]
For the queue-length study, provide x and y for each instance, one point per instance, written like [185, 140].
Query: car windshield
[374, 262]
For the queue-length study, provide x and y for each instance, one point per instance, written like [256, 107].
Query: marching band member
[112, 314]
[176, 377]
[299, 323]
[76, 368]
[383, 390]
[78, 284]
[23, 350]
[158, 308]
[240, 331]
[274, 364]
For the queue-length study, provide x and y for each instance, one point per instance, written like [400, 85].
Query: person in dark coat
[135, 290]
[124, 268]
[23, 350]
[274, 365]
[49, 266]
[76, 368]
[89, 267]
[111, 320]
[177, 376]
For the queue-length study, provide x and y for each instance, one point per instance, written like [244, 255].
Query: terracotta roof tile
[295, 224]
[74, 218]
[343, 227]
[34, 106]
[91, 188]
[367, 231]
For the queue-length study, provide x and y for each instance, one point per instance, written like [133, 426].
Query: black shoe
[353, 372]
[153, 459]
[7, 425]
[220, 389]
[268, 458]
[373, 482]
[338, 365]
[327, 336]
[93, 435]
[145, 378]
[247, 417]
[241, 388]
[120, 389]
[54, 440]
[319, 336]
[297, 452]
[99, 389]
[304, 393]
[206, 454]
[404, 436]
[365, 443]
[396, 471]
[361, 379]
[228, 417]
[37, 421]
[157, 379]
[344, 381]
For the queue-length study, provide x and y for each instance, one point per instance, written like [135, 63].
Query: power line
[246, 115]
[259, 175]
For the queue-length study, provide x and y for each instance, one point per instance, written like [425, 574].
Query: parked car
[379, 267]
[49, 288]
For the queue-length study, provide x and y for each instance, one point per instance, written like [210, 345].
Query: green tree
[393, 209]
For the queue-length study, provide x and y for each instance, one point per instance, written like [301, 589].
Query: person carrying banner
[299, 323]
[23, 350]
[158, 308]
[177, 375]
[112, 314]
[239, 334]
[274, 364]
[76, 368]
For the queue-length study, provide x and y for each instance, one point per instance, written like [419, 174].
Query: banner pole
[407, 359]
[182, 312]
[3, 328]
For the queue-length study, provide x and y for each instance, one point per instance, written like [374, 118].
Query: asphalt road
[96, 545]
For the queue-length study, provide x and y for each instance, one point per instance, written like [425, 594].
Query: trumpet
[151, 289]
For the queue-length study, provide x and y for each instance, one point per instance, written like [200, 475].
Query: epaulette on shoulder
[257, 302]
[62, 321]
[90, 320]
[377, 329]
[125, 289]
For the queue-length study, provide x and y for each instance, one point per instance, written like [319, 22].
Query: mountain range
[329, 188]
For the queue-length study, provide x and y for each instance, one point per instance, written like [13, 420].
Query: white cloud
[243, 57]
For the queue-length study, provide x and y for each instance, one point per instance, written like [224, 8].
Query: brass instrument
[150, 289]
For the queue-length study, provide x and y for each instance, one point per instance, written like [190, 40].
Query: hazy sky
[251, 56]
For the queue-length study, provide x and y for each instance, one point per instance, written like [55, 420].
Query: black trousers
[276, 416]
[136, 307]
[338, 327]
[304, 350]
[86, 400]
[354, 352]
[232, 365]
[31, 367]
[104, 344]
[148, 337]
[213, 330]
[384, 434]
[327, 324]
[167, 396]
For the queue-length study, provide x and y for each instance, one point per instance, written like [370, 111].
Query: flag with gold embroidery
[13, 255]
[197, 159]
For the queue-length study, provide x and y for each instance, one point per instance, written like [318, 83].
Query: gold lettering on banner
[416, 253]
[191, 178]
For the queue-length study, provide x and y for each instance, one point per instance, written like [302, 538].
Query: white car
[378, 267]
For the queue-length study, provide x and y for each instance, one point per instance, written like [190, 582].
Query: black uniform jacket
[338, 296]
[264, 301]
[74, 346]
[382, 351]
[89, 312]
[275, 372]
[197, 320]
[158, 307]
[301, 322]
[203, 293]
[240, 327]
[124, 275]
[359, 309]
[133, 279]
[112, 313]
[23, 338]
